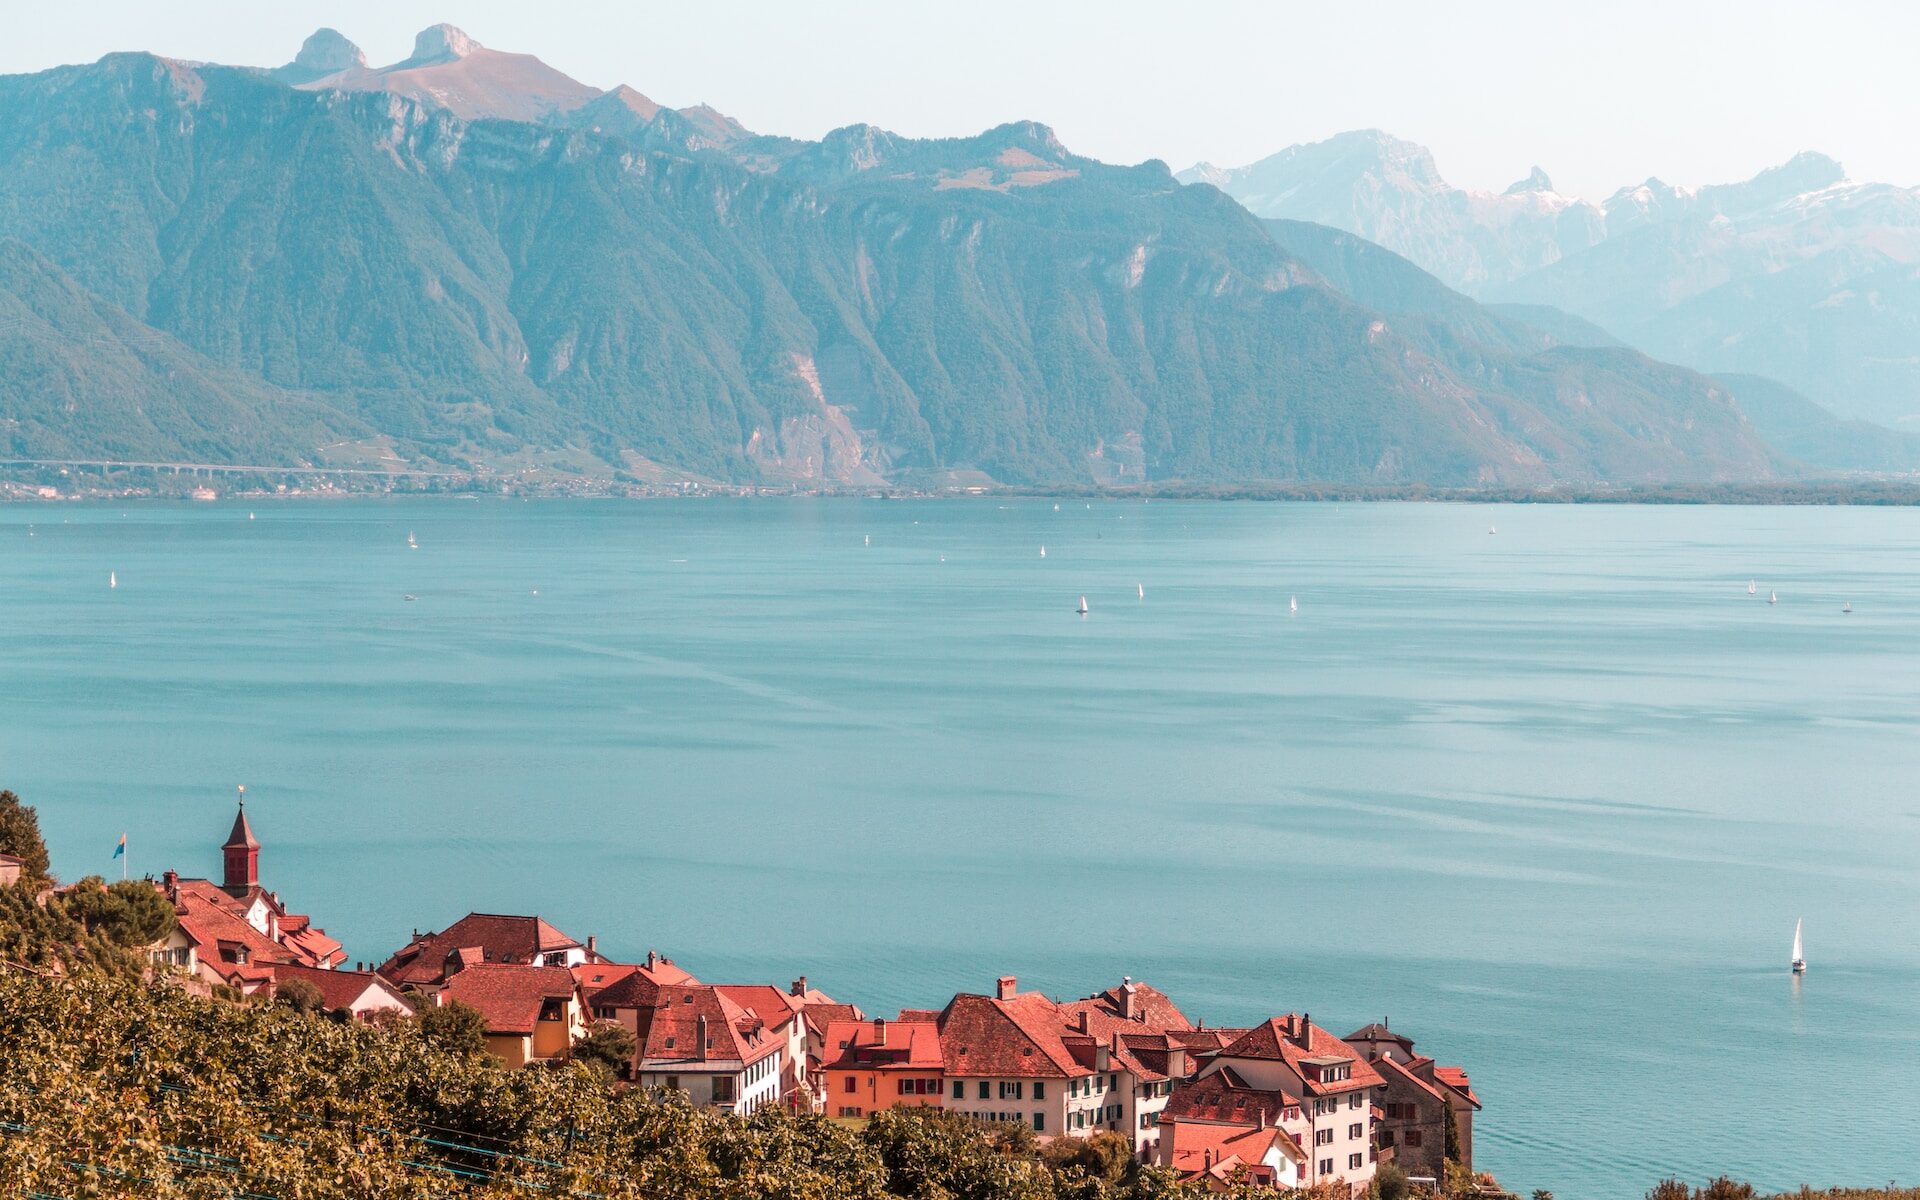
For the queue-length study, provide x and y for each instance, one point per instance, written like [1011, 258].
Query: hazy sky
[1599, 93]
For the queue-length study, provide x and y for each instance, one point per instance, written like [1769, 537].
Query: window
[1326, 1166]
[1356, 1130]
[1413, 1138]
[1039, 1093]
[959, 1090]
[1323, 1137]
[1354, 1161]
[1386, 1138]
[909, 1086]
[848, 1110]
[1113, 1081]
[985, 1094]
[1099, 1083]
[1009, 1091]
[723, 1089]
[850, 1084]
[673, 1083]
[1039, 1120]
[1356, 1100]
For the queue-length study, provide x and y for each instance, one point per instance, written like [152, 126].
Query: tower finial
[243, 794]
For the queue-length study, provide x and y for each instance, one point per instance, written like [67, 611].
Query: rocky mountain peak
[441, 43]
[1536, 181]
[327, 51]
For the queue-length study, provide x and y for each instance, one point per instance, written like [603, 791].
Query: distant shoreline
[1861, 493]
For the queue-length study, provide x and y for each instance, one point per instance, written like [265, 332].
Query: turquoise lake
[1550, 799]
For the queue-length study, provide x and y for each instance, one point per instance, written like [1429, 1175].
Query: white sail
[1799, 954]
[1043, 552]
[1083, 606]
[1143, 590]
[1773, 597]
[1751, 589]
[1293, 604]
[113, 579]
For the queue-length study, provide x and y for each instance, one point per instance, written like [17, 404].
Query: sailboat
[1773, 597]
[1751, 589]
[1293, 604]
[1847, 607]
[1143, 590]
[1043, 552]
[1492, 529]
[411, 544]
[1799, 955]
[867, 540]
[113, 579]
[1082, 610]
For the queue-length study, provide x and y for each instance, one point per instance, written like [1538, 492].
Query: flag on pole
[122, 847]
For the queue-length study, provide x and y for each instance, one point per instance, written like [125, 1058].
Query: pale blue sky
[1599, 93]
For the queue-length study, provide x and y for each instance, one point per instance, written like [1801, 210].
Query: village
[1285, 1103]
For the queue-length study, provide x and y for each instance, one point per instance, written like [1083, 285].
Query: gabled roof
[734, 1036]
[1220, 1150]
[1021, 1036]
[1151, 1009]
[884, 1046]
[509, 996]
[205, 916]
[338, 989]
[498, 937]
[1224, 1099]
[1378, 1032]
[597, 979]
[820, 1017]
[763, 1000]
[1456, 1078]
[1292, 1039]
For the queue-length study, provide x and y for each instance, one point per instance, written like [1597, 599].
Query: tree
[301, 995]
[607, 1044]
[1390, 1182]
[1105, 1156]
[1542, 1194]
[1453, 1133]
[20, 836]
[1670, 1189]
[455, 1026]
[129, 912]
[1724, 1188]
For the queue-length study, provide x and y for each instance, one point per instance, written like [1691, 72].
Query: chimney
[800, 986]
[1126, 997]
[1305, 1027]
[653, 959]
[1208, 1158]
[879, 1031]
[172, 879]
[1176, 1062]
[1263, 1117]
[1005, 987]
[1081, 1018]
[1100, 1059]
[700, 1039]
[593, 946]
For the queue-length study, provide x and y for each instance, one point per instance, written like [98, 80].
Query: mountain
[1390, 191]
[1797, 274]
[1803, 430]
[671, 295]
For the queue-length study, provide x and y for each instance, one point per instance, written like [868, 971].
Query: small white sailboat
[1082, 610]
[1043, 552]
[409, 597]
[113, 579]
[1056, 508]
[411, 544]
[1751, 589]
[943, 558]
[1847, 607]
[867, 540]
[1773, 597]
[1492, 529]
[249, 516]
[1293, 604]
[1143, 590]
[1799, 954]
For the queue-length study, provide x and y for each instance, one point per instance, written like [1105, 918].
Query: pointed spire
[242, 836]
[241, 854]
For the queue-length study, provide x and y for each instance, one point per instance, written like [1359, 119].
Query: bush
[20, 836]
[300, 995]
[1390, 1182]
[454, 1027]
[608, 1045]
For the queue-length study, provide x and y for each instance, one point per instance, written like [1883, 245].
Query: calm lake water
[1550, 799]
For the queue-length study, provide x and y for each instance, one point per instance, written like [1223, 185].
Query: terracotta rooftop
[1018, 1035]
[338, 989]
[884, 1045]
[509, 996]
[1137, 1004]
[681, 1013]
[499, 938]
[1223, 1098]
[1294, 1040]
[1456, 1078]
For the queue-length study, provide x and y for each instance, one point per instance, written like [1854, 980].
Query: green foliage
[300, 995]
[1390, 1182]
[607, 1044]
[1670, 1189]
[20, 836]
[454, 1027]
[1453, 1134]
[1542, 1194]
[129, 912]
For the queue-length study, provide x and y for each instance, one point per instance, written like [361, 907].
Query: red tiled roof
[673, 1023]
[771, 1004]
[919, 1014]
[1019, 1037]
[1225, 1147]
[222, 936]
[908, 1045]
[338, 989]
[819, 1017]
[498, 938]
[1456, 1078]
[1378, 1032]
[1278, 1040]
[509, 996]
[1151, 1008]
[1221, 1098]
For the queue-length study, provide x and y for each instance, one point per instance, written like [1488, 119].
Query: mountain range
[1798, 274]
[469, 259]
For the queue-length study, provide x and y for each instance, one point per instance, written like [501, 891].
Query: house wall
[1348, 1109]
[873, 1090]
[1463, 1127]
[510, 1048]
[1428, 1125]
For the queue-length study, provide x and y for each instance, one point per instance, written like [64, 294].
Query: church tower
[242, 854]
